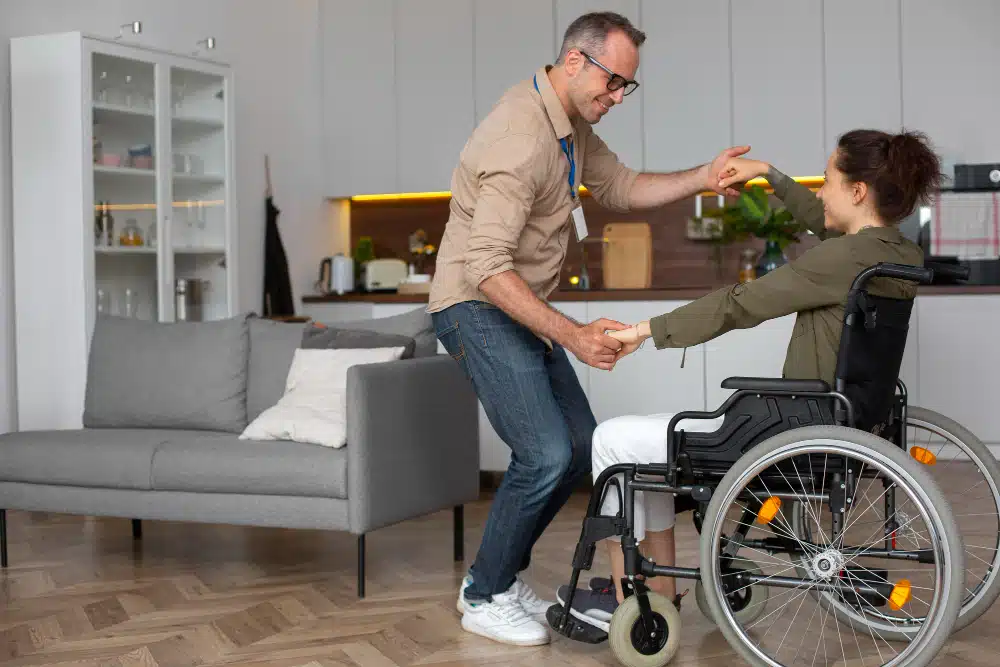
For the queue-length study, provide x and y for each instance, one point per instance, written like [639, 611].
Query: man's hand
[718, 165]
[591, 345]
[739, 170]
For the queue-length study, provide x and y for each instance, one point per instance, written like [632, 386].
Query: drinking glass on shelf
[103, 302]
[130, 305]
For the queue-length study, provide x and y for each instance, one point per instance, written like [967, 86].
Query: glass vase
[771, 258]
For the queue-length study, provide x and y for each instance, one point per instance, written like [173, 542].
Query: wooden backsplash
[677, 261]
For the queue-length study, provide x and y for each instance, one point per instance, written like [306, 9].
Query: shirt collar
[553, 107]
[888, 233]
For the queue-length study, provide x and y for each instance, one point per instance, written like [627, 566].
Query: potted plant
[752, 215]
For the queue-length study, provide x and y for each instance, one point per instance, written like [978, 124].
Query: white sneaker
[461, 604]
[504, 620]
[535, 606]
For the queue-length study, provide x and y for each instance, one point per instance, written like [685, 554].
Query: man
[514, 202]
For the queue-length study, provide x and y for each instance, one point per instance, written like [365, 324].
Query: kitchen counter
[655, 294]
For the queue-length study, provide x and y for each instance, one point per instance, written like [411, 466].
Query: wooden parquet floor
[80, 591]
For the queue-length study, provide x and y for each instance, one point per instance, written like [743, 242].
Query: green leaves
[752, 215]
[754, 203]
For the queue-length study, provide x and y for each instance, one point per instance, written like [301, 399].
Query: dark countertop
[655, 294]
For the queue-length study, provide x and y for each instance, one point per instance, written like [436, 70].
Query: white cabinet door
[621, 129]
[649, 381]
[960, 361]
[852, 47]
[777, 51]
[359, 103]
[686, 83]
[951, 89]
[501, 63]
[332, 313]
[435, 96]
[756, 352]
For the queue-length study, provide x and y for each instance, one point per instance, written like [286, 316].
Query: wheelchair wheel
[824, 468]
[630, 642]
[969, 477]
[747, 604]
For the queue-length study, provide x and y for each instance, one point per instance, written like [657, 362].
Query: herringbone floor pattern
[79, 591]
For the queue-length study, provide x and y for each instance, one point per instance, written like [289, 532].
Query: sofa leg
[137, 529]
[459, 536]
[3, 538]
[361, 565]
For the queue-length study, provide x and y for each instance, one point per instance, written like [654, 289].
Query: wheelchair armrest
[775, 384]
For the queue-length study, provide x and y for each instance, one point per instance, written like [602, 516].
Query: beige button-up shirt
[511, 206]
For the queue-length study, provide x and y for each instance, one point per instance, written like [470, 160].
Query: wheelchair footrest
[574, 629]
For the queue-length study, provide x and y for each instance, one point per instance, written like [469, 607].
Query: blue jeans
[535, 403]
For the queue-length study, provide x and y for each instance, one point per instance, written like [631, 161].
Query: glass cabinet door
[125, 186]
[198, 222]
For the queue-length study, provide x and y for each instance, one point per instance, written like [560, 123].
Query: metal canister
[188, 300]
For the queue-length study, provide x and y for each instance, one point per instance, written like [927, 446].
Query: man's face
[589, 81]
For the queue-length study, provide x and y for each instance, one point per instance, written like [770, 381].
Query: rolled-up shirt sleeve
[507, 184]
[607, 178]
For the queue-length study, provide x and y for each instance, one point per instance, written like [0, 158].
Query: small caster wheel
[747, 603]
[630, 642]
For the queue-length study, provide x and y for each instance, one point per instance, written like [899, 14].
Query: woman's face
[841, 200]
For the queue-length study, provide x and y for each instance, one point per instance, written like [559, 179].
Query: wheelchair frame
[680, 479]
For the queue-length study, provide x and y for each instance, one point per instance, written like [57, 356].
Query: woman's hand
[739, 170]
[631, 338]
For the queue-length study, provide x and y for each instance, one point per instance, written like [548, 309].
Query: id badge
[579, 223]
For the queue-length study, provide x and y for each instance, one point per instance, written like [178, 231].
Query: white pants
[638, 439]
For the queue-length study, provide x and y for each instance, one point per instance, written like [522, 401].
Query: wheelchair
[807, 495]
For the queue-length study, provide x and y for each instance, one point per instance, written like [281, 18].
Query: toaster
[384, 274]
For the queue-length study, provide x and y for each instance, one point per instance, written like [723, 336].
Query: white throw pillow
[314, 407]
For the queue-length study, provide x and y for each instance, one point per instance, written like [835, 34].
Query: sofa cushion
[182, 375]
[416, 324]
[272, 347]
[324, 337]
[222, 463]
[111, 458]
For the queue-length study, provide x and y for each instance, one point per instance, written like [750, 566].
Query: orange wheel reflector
[900, 595]
[769, 510]
[923, 455]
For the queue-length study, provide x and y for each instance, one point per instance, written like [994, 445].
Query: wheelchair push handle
[917, 274]
[949, 271]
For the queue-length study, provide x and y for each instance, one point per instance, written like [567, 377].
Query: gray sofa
[165, 404]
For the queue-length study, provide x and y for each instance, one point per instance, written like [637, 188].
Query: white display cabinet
[102, 128]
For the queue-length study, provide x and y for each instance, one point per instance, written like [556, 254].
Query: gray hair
[589, 32]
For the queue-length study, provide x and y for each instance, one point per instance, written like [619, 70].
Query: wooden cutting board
[628, 255]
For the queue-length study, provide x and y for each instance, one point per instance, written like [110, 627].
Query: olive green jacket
[815, 285]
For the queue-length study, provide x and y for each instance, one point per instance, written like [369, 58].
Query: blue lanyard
[567, 150]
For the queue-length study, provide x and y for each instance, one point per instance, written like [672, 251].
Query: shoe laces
[525, 593]
[507, 607]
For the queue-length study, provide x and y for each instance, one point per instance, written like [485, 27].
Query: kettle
[336, 274]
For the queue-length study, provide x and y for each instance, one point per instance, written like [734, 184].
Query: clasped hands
[604, 342]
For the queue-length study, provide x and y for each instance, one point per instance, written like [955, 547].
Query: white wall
[273, 48]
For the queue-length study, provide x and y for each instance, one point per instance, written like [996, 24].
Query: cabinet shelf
[125, 250]
[198, 122]
[200, 250]
[124, 171]
[113, 110]
[211, 179]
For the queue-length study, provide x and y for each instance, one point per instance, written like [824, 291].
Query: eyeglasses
[617, 80]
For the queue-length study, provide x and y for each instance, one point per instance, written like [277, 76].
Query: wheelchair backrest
[871, 352]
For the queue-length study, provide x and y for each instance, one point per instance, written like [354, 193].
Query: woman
[872, 181]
